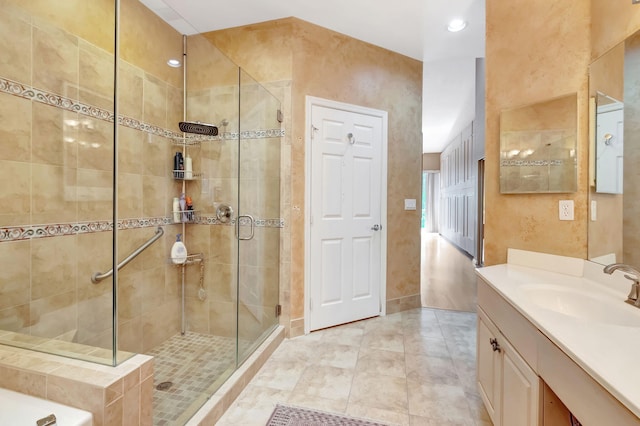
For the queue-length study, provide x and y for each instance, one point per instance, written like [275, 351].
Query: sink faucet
[631, 274]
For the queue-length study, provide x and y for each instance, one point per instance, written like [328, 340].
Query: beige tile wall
[212, 98]
[57, 168]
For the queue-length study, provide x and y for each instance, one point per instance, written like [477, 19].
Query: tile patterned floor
[192, 363]
[411, 368]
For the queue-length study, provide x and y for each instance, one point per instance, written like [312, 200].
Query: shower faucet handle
[224, 213]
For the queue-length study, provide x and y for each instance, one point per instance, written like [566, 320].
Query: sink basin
[581, 304]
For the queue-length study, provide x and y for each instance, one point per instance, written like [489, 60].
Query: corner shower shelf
[191, 259]
[192, 216]
[181, 175]
[186, 142]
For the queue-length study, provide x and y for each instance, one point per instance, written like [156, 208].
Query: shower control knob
[376, 227]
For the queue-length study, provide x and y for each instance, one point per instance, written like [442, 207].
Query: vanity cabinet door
[509, 388]
[520, 390]
[489, 368]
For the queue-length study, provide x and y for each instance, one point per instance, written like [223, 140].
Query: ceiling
[415, 28]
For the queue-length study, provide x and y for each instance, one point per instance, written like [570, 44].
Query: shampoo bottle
[176, 209]
[183, 208]
[178, 251]
[188, 168]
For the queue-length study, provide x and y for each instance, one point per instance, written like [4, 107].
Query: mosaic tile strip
[19, 233]
[24, 91]
[265, 223]
[17, 89]
[511, 163]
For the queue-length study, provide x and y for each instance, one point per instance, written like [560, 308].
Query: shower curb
[220, 402]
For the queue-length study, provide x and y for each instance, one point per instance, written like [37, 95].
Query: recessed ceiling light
[456, 25]
[173, 63]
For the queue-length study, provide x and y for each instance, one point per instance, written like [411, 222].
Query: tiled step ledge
[114, 395]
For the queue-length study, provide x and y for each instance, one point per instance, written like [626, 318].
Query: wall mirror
[538, 147]
[614, 193]
[609, 144]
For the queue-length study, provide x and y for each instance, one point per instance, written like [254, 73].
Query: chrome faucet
[631, 274]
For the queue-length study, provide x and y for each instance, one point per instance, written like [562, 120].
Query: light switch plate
[409, 203]
[594, 210]
[565, 209]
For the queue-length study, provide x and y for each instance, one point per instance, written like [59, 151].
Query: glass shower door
[258, 220]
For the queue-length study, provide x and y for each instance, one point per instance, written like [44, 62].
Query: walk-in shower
[92, 121]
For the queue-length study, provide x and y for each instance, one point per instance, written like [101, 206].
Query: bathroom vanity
[554, 332]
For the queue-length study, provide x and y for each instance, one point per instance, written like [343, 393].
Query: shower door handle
[251, 221]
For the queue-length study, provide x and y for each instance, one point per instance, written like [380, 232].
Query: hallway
[447, 278]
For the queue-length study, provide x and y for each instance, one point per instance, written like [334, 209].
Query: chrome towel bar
[99, 276]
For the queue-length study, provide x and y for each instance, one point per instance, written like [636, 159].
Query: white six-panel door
[345, 217]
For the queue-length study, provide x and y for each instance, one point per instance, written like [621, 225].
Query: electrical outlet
[565, 209]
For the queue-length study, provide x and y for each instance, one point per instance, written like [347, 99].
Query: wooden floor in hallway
[447, 276]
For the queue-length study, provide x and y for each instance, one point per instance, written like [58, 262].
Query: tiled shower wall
[57, 171]
[249, 178]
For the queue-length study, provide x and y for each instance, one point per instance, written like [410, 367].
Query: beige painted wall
[430, 161]
[322, 63]
[523, 69]
[611, 23]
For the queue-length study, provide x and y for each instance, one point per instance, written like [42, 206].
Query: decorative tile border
[27, 92]
[512, 163]
[26, 232]
[17, 89]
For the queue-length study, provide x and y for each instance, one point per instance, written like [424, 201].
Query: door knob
[494, 344]
[376, 227]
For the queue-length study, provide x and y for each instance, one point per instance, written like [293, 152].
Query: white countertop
[609, 353]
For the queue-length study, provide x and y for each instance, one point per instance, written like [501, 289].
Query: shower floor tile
[190, 364]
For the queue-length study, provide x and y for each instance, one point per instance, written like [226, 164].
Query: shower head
[198, 128]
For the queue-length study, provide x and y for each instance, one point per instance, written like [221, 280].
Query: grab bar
[99, 276]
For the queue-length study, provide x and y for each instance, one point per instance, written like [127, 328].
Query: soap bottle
[190, 216]
[188, 168]
[176, 209]
[178, 251]
[183, 207]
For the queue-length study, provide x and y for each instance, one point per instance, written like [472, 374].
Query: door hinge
[311, 304]
[278, 310]
[279, 116]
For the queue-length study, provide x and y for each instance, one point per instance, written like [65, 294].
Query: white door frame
[309, 102]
